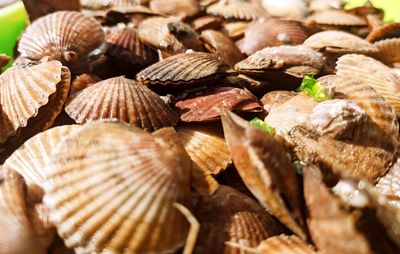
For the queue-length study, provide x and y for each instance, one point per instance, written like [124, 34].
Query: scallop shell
[229, 215]
[389, 185]
[285, 244]
[184, 70]
[339, 42]
[67, 36]
[209, 104]
[207, 149]
[206, 22]
[296, 9]
[19, 234]
[266, 170]
[122, 99]
[182, 8]
[82, 81]
[386, 31]
[318, 5]
[127, 181]
[38, 8]
[374, 74]
[125, 45]
[275, 98]
[237, 9]
[273, 32]
[390, 51]
[234, 30]
[336, 18]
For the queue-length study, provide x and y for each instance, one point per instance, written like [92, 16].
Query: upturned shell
[67, 36]
[276, 98]
[111, 188]
[273, 32]
[184, 70]
[296, 9]
[390, 51]
[266, 170]
[122, 99]
[389, 185]
[208, 105]
[335, 18]
[182, 8]
[374, 74]
[386, 31]
[229, 215]
[237, 9]
[285, 244]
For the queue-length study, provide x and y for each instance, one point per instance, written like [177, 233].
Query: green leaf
[390, 7]
[262, 125]
[312, 88]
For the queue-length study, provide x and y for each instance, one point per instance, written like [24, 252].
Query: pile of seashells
[201, 126]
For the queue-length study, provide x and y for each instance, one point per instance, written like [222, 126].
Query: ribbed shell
[229, 215]
[389, 185]
[284, 244]
[390, 51]
[122, 99]
[336, 18]
[211, 103]
[374, 74]
[339, 42]
[182, 8]
[265, 168]
[67, 36]
[237, 9]
[386, 31]
[207, 149]
[273, 32]
[125, 45]
[111, 189]
[182, 70]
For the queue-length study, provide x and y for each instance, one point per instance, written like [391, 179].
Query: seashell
[207, 148]
[275, 98]
[237, 9]
[229, 215]
[385, 31]
[389, 50]
[272, 32]
[126, 190]
[293, 60]
[58, 247]
[31, 98]
[168, 34]
[4, 60]
[95, 4]
[235, 30]
[125, 46]
[285, 244]
[335, 18]
[206, 22]
[266, 170]
[296, 9]
[389, 185]
[184, 70]
[82, 81]
[208, 105]
[122, 99]
[38, 8]
[182, 8]
[19, 233]
[374, 74]
[223, 46]
[67, 36]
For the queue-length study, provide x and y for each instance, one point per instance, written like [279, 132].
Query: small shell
[184, 70]
[122, 99]
[389, 185]
[182, 8]
[67, 36]
[266, 170]
[285, 244]
[386, 31]
[374, 74]
[390, 51]
[4, 60]
[229, 215]
[273, 32]
[296, 9]
[237, 9]
[206, 22]
[276, 98]
[82, 81]
[111, 188]
[210, 104]
[234, 30]
[336, 18]
[207, 149]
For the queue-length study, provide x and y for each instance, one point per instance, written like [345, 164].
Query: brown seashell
[229, 215]
[20, 234]
[266, 170]
[83, 81]
[4, 60]
[122, 99]
[235, 30]
[276, 98]
[374, 74]
[67, 36]
[206, 22]
[184, 70]
[272, 32]
[389, 185]
[182, 8]
[223, 46]
[390, 51]
[335, 18]
[208, 105]
[124, 45]
[38, 8]
[237, 9]
[386, 31]
[127, 181]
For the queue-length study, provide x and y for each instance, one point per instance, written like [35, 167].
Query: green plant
[390, 7]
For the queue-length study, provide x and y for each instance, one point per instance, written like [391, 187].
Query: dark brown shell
[208, 105]
[182, 8]
[4, 60]
[237, 9]
[272, 32]
[229, 215]
[184, 70]
[336, 18]
[122, 99]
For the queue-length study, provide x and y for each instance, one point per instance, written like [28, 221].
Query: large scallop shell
[266, 170]
[67, 36]
[237, 9]
[182, 8]
[229, 215]
[183, 70]
[272, 32]
[296, 9]
[336, 18]
[122, 99]
[390, 51]
[208, 105]
[374, 74]
[111, 188]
